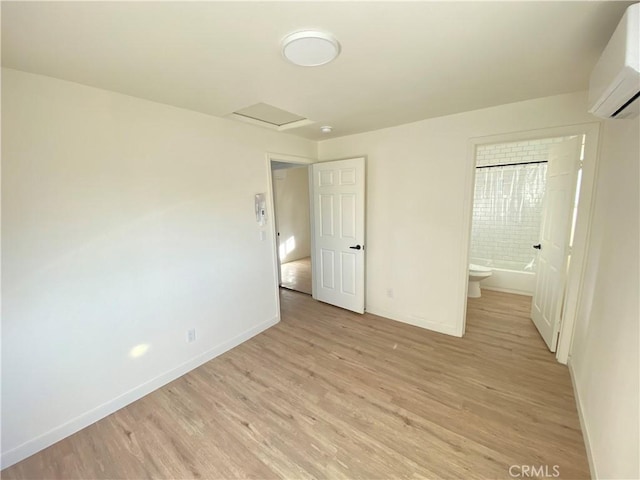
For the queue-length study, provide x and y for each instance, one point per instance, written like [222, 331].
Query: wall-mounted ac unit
[615, 81]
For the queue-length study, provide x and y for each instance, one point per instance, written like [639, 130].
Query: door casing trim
[575, 276]
[271, 207]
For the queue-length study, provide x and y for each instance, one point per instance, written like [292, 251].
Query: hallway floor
[296, 275]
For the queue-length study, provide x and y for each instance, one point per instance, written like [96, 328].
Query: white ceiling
[400, 61]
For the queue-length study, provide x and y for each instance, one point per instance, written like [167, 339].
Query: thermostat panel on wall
[261, 208]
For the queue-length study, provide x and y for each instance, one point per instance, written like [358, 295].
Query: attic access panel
[271, 117]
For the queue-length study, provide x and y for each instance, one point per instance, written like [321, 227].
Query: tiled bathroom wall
[507, 209]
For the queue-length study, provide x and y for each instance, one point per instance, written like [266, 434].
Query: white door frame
[575, 275]
[295, 160]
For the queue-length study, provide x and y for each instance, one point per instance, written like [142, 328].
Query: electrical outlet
[191, 335]
[390, 292]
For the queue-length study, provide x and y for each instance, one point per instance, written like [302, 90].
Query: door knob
[357, 247]
[538, 246]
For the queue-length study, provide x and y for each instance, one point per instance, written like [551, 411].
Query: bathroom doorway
[510, 210]
[508, 203]
[290, 186]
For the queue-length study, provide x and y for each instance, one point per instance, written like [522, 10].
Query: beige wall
[604, 356]
[291, 196]
[419, 184]
[127, 222]
[124, 222]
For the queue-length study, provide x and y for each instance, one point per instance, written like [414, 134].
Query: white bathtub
[507, 280]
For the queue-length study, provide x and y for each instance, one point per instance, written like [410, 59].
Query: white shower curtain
[507, 215]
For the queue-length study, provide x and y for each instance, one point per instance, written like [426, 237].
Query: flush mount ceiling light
[326, 129]
[310, 48]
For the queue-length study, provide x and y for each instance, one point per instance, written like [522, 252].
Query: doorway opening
[508, 211]
[336, 229]
[290, 187]
[530, 209]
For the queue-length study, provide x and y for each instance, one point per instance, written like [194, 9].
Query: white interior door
[339, 209]
[546, 307]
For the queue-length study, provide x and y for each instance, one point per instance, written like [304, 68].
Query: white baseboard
[414, 320]
[583, 426]
[47, 439]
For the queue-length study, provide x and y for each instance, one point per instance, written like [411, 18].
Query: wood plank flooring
[330, 394]
[296, 275]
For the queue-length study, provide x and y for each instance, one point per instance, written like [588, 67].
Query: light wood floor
[296, 275]
[330, 394]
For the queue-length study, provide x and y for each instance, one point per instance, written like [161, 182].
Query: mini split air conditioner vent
[615, 82]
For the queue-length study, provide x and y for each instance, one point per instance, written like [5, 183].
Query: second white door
[339, 243]
[546, 307]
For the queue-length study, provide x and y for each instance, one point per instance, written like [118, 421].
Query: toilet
[477, 273]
